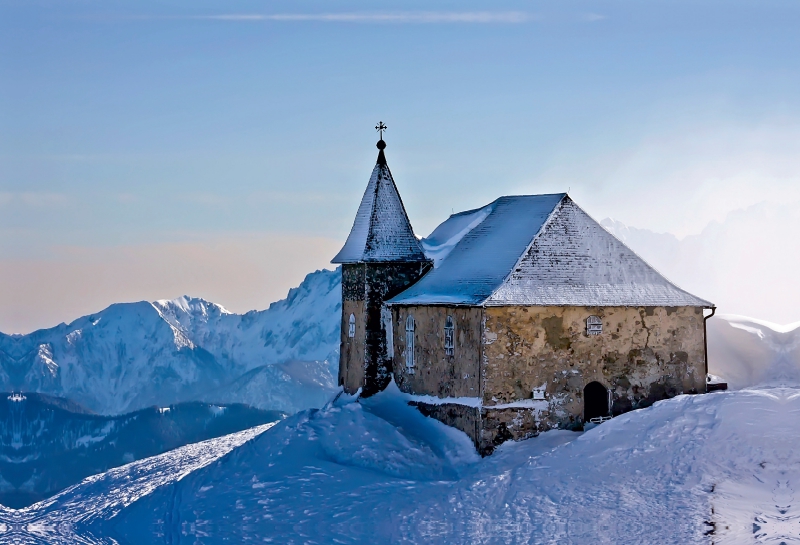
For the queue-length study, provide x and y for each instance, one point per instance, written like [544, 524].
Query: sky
[154, 149]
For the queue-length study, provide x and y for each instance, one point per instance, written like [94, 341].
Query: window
[410, 344]
[449, 334]
[351, 332]
[594, 325]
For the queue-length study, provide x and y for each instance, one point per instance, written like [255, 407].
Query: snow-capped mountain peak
[133, 355]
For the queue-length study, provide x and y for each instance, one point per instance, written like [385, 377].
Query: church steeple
[381, 231]
[381, 258]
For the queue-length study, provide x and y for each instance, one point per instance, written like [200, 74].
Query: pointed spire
[381, 231]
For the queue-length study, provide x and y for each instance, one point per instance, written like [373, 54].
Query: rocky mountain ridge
[134, 355]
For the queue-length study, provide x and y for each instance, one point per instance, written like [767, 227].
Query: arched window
[594, 325]
[351, 331]
[410, 344]
[449, 336]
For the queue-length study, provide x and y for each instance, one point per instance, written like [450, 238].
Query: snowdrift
[376, 471]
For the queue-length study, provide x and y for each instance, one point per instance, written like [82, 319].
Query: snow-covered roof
[474, 251]
[381, 231]
[536, 250]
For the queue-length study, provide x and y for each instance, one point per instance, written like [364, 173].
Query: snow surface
[719, 468]
[744, 352]
[73, 515]
[133, 355]
[45, 447]
[377, 471]
[440, 243]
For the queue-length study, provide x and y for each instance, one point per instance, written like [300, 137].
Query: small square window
[594, 325]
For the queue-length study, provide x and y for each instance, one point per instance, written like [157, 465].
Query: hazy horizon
[151, 150]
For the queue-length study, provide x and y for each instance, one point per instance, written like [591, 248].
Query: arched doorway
[595, 401]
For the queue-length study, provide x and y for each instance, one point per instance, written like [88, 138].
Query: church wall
[642, 355]
[351, 353]
[436, 373]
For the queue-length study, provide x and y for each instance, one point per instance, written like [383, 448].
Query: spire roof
[381, 231]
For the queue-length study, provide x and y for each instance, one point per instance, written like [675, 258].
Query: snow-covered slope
[746, 352]
[134, 355]
[45, 447]
[73, 516]
[687, 470]
[719, 467]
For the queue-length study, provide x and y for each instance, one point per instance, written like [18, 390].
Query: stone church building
[511, 319]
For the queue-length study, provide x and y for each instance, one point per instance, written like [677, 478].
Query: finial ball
[381, 144]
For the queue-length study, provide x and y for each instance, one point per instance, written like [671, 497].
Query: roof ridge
[524, 253]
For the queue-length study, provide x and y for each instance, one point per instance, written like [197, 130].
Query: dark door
[595, 401]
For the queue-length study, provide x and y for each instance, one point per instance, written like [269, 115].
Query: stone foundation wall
[462, 417]
[487, 428]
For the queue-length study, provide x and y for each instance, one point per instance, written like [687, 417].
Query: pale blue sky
[150, 149]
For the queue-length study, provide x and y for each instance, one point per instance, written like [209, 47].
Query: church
[514, 318]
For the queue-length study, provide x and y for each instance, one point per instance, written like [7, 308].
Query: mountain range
[744, 263]
[135, 355]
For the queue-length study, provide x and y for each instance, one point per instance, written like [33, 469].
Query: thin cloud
[425, 17]
[35, 199]
[592, 17]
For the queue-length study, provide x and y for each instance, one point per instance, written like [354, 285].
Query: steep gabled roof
[381, 231]
[537, 250]
[474, 251]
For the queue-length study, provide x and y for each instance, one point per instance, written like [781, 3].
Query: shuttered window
[449, 336]
[410, 344]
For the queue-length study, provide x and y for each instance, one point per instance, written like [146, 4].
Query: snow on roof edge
[545, 223]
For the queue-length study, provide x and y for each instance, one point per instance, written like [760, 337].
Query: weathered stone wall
[486, 427]
[436, 373]
[642, 355]
[501, 425]
[351, 353]
[364, 361]
[462, 417]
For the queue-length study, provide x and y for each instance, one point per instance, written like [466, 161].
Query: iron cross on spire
[380, 127]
